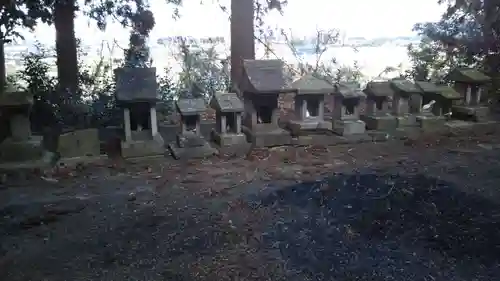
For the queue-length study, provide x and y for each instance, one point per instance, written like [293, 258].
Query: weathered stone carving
[19, 145]
[309, 126]
[263, 82]
[228, 113]
[310, 104]
[406, 102]
[189, 142]
[346, 117]
[432, 119]
[136, 93]
[470, 84]
[377, 114]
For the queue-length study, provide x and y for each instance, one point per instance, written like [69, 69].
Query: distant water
[371, 60]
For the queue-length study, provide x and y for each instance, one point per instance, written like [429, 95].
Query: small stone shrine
[346, 117]
[228, 115]
[189, 142]
[136, 93]
[431, 119]
[18, 144]
[310, 104]
[261, 84]
[470, 84]
[377, 115]
[406, 102]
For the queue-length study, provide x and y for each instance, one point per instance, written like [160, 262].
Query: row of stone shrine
[251, 116]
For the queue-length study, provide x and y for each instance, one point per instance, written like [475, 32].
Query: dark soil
[425, 210]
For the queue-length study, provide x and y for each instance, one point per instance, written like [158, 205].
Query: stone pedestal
[191, 145]
[144, 142]
[406, 120]
[429, 123]
[79, 143]
[476, 113]
[12, 150]
[349, 127]
[267, 135]
[227, 135]
[380, 122]
[231, 143]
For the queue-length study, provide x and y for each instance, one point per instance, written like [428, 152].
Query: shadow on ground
[384, 227]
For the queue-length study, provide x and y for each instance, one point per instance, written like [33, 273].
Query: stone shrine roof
[448, 92]
[189, 107]
[226, 102]
[136, 84]
[310, 85]
[264, 77]
[348, 90]
[16, 99]
[468, 75]
[405, 87]
[379, 89]
[427, 87]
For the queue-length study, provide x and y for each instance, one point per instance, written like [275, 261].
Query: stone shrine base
[267, 135]
[20, 151]
[191, 146]
[406, 120]
[314, 137]
[459, 126]
[143, 145]
[476, 113]
[296, 126]
[230, 144]
[349, 127]
[431, 123]
[380, 123]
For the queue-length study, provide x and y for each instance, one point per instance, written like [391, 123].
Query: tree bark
[3, 69]
[242, 36]
[66, 46]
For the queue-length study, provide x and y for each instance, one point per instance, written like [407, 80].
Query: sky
[355, 18]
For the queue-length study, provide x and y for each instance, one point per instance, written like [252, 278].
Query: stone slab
[79, 143]
[349, 127]
[228, 139]
[189, 139]
[408, 120]
[380, 123]
[19, 151]
[268, 138]
[477, 113]
[457, 127]
[236, 150]
[431, 123]
[141, 148]
[315, 139]
[191, 152]
[353, 139]
[295, 126]
[20, 127]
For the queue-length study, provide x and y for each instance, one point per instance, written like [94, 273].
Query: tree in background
[15, 14]
[468, 34]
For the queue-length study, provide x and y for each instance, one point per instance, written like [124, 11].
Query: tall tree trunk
[3, 71]
[490, 33]
[242, 36]
[66, 46]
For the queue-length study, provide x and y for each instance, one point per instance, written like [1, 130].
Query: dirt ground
[419, 210]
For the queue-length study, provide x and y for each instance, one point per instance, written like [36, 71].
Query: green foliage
[468, 34]
[330, 69]
[22, 13]
[202, 73]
